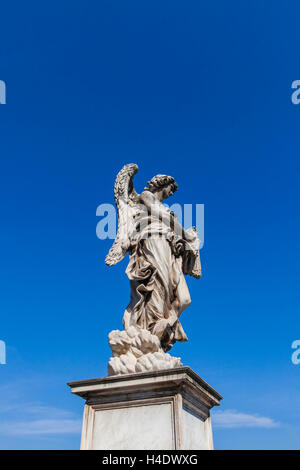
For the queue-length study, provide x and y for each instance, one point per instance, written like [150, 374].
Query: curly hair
[159, 182]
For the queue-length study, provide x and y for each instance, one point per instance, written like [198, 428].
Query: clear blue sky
[201, 91]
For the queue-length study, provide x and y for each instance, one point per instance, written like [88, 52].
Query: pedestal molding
[120, 401]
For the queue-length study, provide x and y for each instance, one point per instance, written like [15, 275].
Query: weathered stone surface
[167, 409]
[137, 350]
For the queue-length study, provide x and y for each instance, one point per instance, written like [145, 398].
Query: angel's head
[163, 184]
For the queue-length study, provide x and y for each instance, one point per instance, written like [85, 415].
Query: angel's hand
[125, 244]
[190, 235]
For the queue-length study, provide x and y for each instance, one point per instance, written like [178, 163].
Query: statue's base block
[167, 409]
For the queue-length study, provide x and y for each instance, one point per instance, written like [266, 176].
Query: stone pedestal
[164, 410]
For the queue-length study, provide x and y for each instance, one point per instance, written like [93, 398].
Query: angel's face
[167, 192]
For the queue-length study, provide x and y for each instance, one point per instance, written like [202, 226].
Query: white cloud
[42, 410]
[235, 419]
[41, 427]
[35, 418]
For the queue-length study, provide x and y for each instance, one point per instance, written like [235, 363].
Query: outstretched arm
[158, 210]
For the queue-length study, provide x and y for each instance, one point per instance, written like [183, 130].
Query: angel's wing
[125, 199]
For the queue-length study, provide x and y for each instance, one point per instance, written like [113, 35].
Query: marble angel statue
[161, 253]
